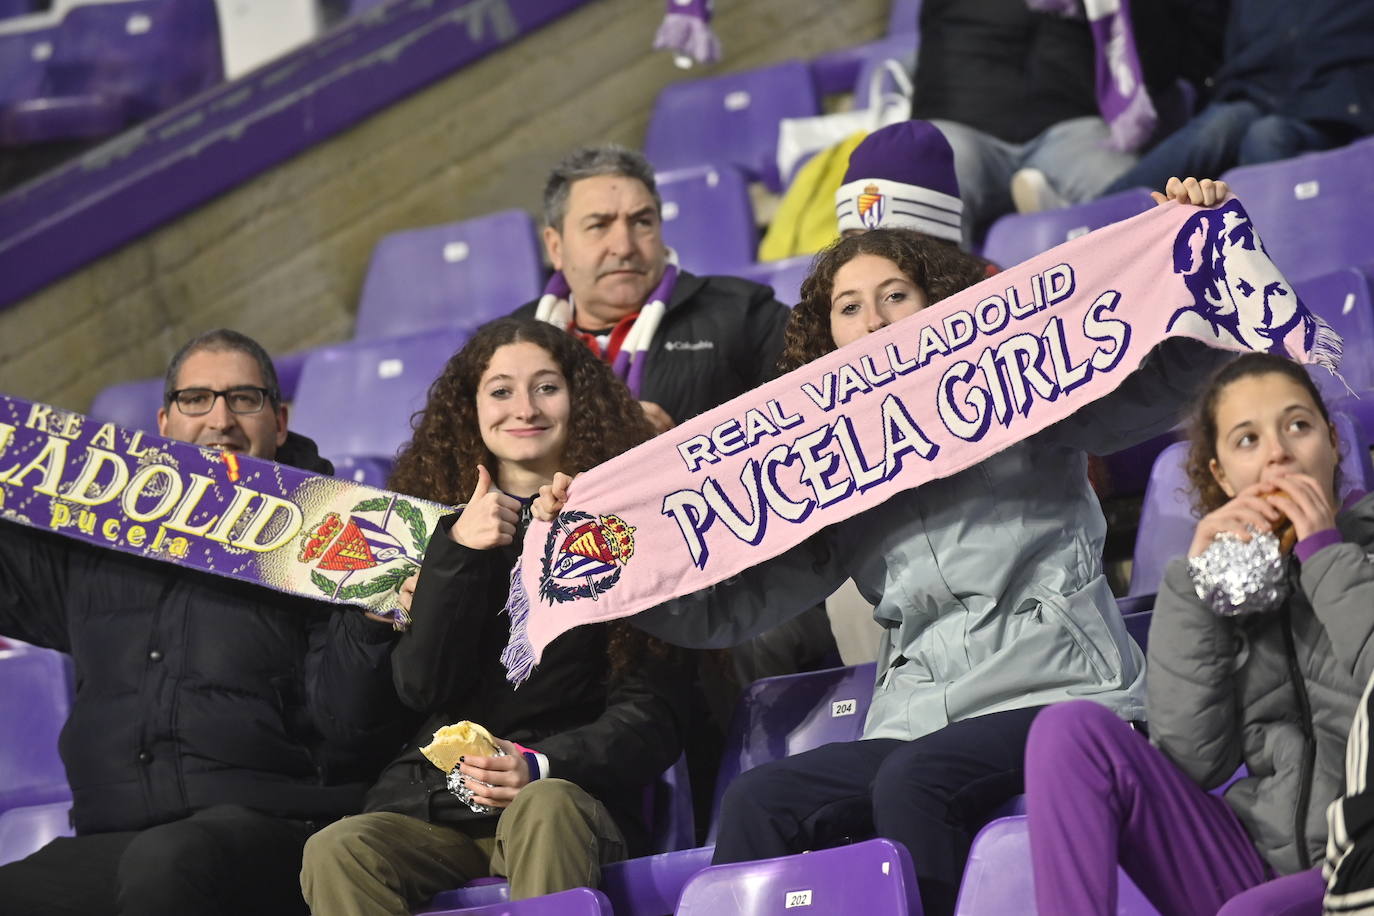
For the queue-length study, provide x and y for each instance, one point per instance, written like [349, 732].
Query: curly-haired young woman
[988, 586]
[596, 723]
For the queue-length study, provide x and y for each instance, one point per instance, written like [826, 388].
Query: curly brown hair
[440, 461]
[1207, 494]
[938, 268]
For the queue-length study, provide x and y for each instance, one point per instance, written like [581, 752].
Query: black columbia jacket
[719, 338]
[609, 736]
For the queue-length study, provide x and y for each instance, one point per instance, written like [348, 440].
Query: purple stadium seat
[24, 57]
[708, 218]
[777, 717]
[647, 886]
[479, 892]
[357, 398]
[997, 878]
[1129, 469]
[650, 886]
[731, 118]
[289, 369]
[784, 276]
[844, 70]
[874, 877]
[1313, 210]
[580, 901]
[458, 275]
[26, 830]
[11, 8]
[1138, 625]
[638, 886]
[1167, 521]
[133, 405]
[35, 697]
[668, 804]
[904, 16]
[369, 469]
[362, 6]
[114, 64]
[1018, 236]
[1342, 298]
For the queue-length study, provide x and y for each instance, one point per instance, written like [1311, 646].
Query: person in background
[217, 724]
[596, 723]
[1272, 690]
[683, 344]
[988, 586]
[1012, 88]
[1294, 77]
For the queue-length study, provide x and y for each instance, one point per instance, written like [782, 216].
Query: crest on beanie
[871, 204]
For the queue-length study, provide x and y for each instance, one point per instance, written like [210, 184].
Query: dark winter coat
[194, 690]
[610, 736]
[1313, 60]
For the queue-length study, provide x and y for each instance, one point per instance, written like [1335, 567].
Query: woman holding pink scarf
[988, 586]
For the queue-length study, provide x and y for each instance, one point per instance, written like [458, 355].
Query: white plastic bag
[799, 138]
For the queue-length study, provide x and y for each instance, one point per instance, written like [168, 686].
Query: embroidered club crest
[872, 205]
[584, 555]
[367, 554]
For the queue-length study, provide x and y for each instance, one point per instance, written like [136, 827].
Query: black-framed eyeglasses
[197, 402]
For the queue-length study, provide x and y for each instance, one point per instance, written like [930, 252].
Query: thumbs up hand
[488, 519]
[552, 498]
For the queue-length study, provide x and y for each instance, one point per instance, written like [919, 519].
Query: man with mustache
[217, 724]
[683, 343]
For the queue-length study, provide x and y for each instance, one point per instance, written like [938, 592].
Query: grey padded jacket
[1274, 691]
[988, 584]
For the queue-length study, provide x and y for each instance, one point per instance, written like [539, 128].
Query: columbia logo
[690, 345]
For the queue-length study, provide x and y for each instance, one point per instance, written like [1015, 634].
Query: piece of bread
[459, 740]
[1283, 528]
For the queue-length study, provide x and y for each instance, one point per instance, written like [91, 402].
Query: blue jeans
[1073, 155]
[1222, 135]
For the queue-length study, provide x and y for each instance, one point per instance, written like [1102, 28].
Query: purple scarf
[1121, 94]
[686, 31]
[556, 307]
[224, 513]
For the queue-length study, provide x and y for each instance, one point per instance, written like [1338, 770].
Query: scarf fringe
[518, 656]
[689, 37]
[1327, 347]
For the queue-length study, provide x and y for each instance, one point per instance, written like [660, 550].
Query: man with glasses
[217, 724]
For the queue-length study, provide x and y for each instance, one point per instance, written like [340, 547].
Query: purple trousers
[1098, 794]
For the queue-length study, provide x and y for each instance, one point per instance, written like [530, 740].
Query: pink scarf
[916, 401]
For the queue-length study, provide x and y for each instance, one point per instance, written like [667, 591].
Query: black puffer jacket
[610, 736]
[719, 338]
[194, 690]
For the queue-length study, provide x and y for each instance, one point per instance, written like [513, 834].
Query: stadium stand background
[282, 256]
